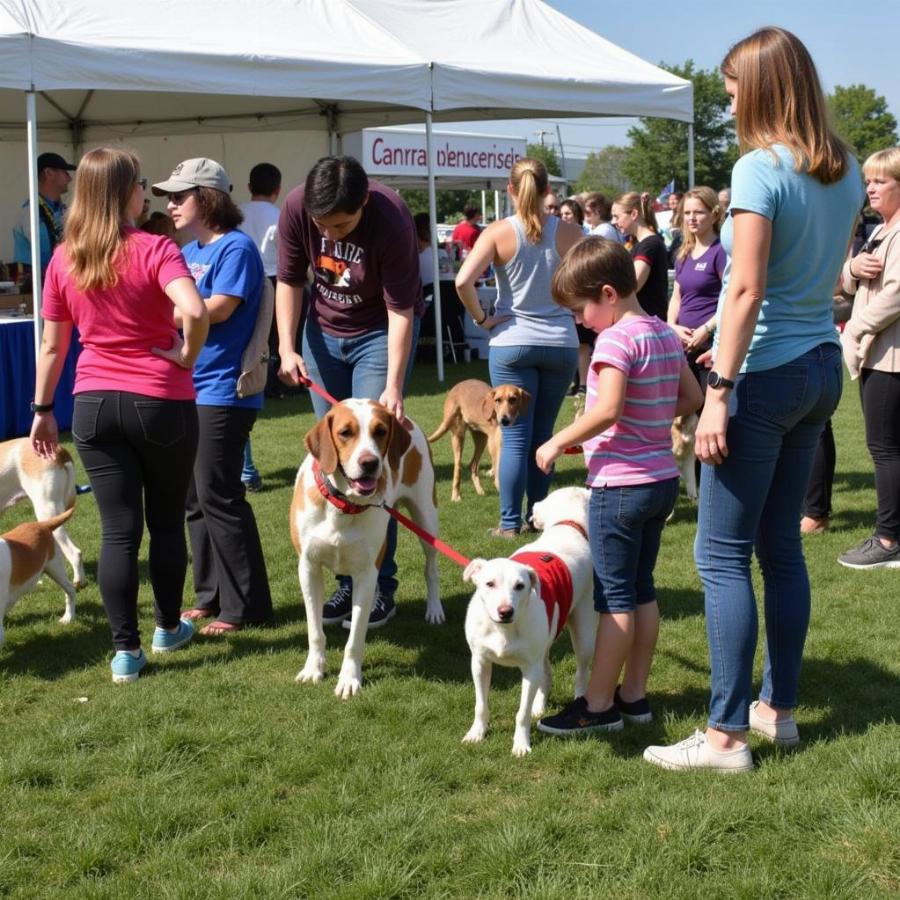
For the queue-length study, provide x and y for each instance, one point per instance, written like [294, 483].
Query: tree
[450, 204]
[604, 171]
[547, 155]
[659, 147]
[862, 119]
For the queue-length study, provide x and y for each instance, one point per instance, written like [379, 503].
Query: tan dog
[359, 456]
[474, 406]
[48, 483]
[26, 553]
[684, 429]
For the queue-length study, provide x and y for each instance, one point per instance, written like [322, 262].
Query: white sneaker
[697, 753]
[783, 733]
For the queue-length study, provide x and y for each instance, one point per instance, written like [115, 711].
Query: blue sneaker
[125, 667]
[164, 641]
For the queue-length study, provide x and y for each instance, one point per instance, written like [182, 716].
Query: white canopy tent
[94, 67]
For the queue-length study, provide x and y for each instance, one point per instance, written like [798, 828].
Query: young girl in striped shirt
[637, 382]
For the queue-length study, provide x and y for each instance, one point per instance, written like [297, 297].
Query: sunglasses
[181, 196]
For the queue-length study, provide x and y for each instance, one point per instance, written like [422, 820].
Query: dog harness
[556, 583]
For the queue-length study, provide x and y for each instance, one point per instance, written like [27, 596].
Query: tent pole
[690, 155]
[436, 270]
[484, 206]
[34, 218]
[497, 215]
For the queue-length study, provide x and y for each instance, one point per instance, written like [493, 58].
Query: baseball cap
[54, 161]
[193, 173]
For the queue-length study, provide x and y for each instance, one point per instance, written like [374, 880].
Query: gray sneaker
[871, 554]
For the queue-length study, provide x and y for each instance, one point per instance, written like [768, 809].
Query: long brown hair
[780, 101]
[530, 180]
[708, 197]
[95, 225]
[643, 204]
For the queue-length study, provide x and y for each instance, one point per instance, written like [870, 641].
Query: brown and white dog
[474, 406]
[359, 456]
[684, 429]
[48, 483]
[26, 553]
[511, 622]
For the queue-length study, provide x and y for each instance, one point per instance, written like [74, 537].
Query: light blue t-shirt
[231, 265]
[811, 225]
[22, 232]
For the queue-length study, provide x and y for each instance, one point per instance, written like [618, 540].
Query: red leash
[417, 530]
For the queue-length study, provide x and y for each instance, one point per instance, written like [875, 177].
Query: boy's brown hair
[591, 263]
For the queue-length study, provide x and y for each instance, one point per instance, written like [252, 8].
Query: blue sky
[851, 43]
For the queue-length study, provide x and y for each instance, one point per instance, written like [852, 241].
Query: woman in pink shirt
[135, 421]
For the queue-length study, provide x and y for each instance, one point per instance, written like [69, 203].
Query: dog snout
[368, 464]
[505, 613]
[505, 420]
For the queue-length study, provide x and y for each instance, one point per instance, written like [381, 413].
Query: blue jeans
[752, 501]
[355, 367]
[625, 525]
[546, 373]
[249, 472]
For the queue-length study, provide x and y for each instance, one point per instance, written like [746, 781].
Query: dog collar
[573, 524]
[333, 495]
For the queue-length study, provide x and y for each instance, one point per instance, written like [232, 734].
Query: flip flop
[197, 613]
[218, 628]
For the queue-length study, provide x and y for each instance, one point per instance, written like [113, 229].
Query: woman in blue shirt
[776, 379]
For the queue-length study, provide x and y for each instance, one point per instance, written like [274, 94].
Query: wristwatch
[41, 407]
[715, 380]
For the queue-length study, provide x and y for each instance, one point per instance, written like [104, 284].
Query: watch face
[713, 379]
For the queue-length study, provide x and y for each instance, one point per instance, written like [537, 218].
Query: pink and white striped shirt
[638, 448]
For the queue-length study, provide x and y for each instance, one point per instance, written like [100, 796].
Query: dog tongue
[364, 485]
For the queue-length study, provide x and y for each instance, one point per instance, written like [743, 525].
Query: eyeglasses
[181, 197]
[143, 183]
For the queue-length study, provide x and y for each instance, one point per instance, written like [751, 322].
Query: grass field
[217, 776]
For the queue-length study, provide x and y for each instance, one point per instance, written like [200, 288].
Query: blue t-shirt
[22, 230]
[811, 225]
[231, 265]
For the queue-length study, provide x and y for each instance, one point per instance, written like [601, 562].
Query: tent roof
[213, 65]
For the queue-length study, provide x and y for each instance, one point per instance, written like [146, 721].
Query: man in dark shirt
[365, 303]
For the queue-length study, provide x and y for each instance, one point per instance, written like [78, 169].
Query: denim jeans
[355, 367]
[546, 373]
[752, 500]
[625, 525]
[249, 472]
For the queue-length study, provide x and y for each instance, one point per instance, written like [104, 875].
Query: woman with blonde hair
[871, 344]
[699, 267]
[533, 343]
[776, 379]
[135, 422]
[633, 216]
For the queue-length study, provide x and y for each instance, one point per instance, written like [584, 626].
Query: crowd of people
[747, 336]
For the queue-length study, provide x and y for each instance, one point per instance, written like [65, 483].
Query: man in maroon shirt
[365, 303]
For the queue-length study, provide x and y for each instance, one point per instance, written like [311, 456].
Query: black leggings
[138, 453]
[817, 502]
[880, 392]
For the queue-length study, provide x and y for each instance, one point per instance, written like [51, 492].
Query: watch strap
[41, 407]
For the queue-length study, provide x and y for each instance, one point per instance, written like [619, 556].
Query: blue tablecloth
[17, 380]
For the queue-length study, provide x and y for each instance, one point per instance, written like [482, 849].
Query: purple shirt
[700, 282]
[358, 278]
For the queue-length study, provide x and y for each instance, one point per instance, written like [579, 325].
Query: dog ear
[320, 443]
[398, 443]
[488, 410]
[472, 569]
[526, 400]
[535, 581]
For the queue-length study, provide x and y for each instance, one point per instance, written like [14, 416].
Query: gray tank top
[523, 292]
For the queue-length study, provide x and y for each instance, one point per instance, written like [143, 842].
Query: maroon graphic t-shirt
[358, 278]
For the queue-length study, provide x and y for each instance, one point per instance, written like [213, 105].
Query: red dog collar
[573, 524]
[334, 496]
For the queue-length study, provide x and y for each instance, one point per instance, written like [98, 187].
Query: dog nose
[504, 420]
[368, 464]
[505, 613]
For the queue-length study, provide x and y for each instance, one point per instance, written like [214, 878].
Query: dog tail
[63, 517]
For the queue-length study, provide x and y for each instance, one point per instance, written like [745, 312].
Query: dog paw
[311, 673]
[538, 710]
[67, 618]
[347, 687]
[475, 735]
[435, 616]
[456, 499]
[521, 748]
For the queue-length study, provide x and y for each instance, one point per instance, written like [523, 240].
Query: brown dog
[684, 428]
[474, 406]
[26, 553]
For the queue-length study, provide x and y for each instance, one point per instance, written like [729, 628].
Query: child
[637, 382]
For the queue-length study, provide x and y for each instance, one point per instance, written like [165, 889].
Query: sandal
[218, 628]
[198, 612]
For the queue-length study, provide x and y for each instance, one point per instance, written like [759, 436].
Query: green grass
[217, 776]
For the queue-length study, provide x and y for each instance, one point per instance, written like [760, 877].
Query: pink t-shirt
[638, 448]
[119, 326]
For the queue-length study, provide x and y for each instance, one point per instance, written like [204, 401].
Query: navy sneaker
[383, 610]
[339, 605]
[576, 718]
[254, 486]
[638, 712]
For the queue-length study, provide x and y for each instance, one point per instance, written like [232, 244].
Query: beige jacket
[871, 338]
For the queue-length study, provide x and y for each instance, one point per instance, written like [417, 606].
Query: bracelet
[483, 319]
[41, 407]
